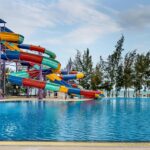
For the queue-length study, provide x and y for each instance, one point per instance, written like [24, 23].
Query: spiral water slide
[13, 43]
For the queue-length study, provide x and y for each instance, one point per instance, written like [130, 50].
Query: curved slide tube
[58, 83]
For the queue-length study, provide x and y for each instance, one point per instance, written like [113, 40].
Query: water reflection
[102, 120]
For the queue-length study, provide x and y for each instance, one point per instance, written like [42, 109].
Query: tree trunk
[139, 93]
[128, 93]
[125, 92]
[136, 93]
[109, 93]
[116, 93]
[112, 95]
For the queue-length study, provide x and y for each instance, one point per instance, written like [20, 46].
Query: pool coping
[75, 144]
[48, 99]
[21, 99]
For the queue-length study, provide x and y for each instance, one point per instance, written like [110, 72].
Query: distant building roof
[5, 29]
[2, 21]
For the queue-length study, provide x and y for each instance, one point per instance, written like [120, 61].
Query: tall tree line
[117, 72]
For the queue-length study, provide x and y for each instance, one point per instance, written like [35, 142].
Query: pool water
[115, 119]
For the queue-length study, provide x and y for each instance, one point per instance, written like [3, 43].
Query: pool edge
[47, 100]
[76, 144]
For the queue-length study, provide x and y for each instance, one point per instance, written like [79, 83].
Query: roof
[2, 21]
[5, 29]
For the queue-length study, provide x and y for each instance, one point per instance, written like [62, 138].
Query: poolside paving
[59, 99]
[72, 148]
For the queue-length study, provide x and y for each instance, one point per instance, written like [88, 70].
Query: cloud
[85, 22]
[90, 23]
[23, 17]
[87, 35]
[137, 18]
[64, 24]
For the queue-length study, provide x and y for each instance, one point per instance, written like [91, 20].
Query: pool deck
[44, 99]
[73, 146]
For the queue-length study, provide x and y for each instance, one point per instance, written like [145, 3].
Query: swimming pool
[115, 119]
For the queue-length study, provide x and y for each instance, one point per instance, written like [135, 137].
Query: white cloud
[136, 18]
[24, 17]
[74, 24]
[86, 23]
[90, 23]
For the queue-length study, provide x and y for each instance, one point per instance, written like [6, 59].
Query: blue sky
[63, 26]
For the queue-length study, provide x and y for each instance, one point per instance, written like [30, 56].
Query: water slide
[58, 80]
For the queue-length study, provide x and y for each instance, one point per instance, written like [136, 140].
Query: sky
[64, 26]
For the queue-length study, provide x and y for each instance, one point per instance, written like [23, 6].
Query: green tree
[128, 76]
[113, 63]
[146, 77]
[77, 62]
[69, 65]
[83, 63]
[138, 76]
[96, 77]
[141, 72]
[119, 79]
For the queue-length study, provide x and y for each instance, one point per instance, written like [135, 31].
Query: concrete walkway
[44, 99]
[72, 146]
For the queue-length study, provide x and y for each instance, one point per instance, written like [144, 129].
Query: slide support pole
[0, 69]
[28, 89]
[40, 91]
